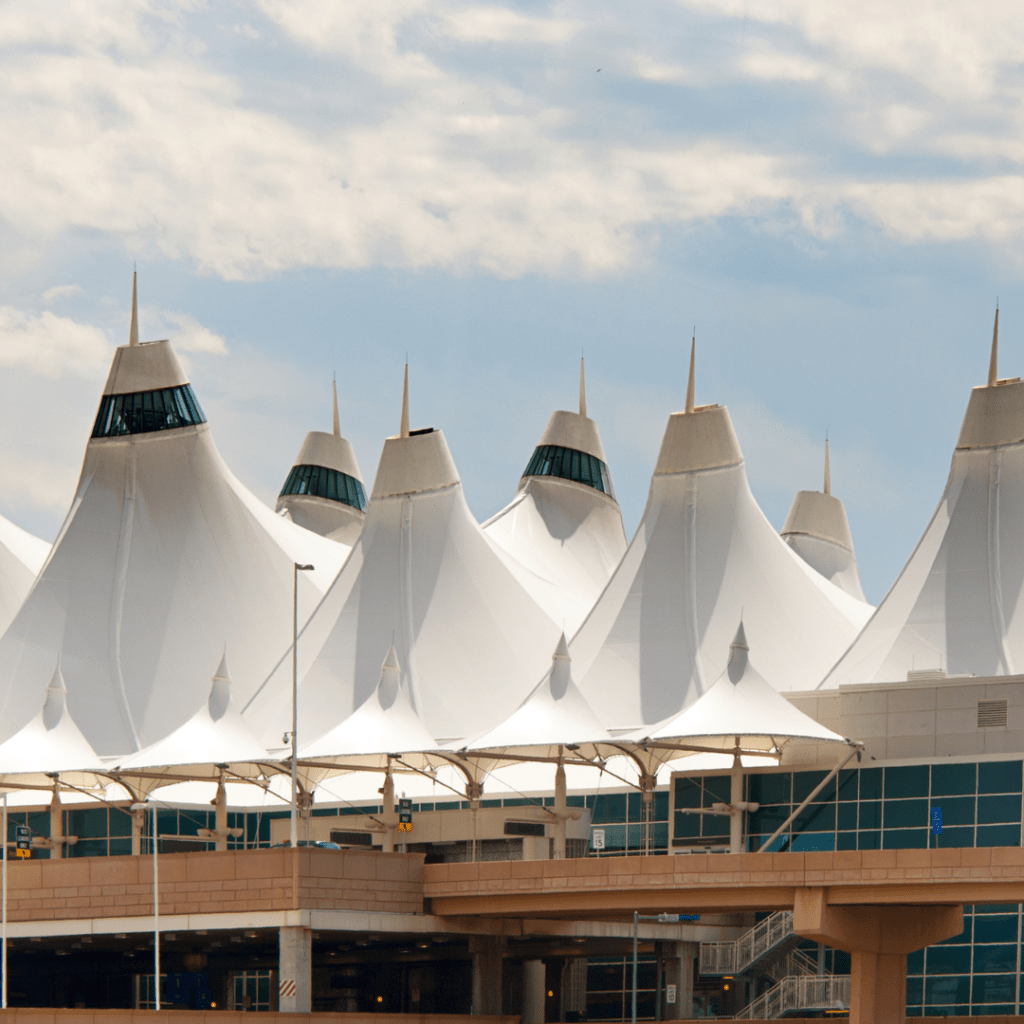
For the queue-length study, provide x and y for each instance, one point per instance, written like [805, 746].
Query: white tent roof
[555, 714]
[162, 558]
[742, 707]
[49, 742]
[21, 557]
[956, 607]
[216, 732]
[565, 538]
[703, 555]
[470, 641]
[326, 516]
[818, 531]
[385, 722]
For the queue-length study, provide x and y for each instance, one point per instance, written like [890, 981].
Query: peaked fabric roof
[565, 537]
[956, 607]
[554, 714]
[743, 707]
[21, 557]
[385, 722]
[162, 558]
[216, 732]
[703, 555]
[49, 742]
[470, 641]
[818, 531]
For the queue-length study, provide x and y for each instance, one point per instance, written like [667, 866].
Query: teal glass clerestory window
[146, 411]
[325, 483]
[570, 464]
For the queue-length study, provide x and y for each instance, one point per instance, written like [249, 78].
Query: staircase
[799, 994]
[769, 940]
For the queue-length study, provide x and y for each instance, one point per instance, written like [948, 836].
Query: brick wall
[210, 883]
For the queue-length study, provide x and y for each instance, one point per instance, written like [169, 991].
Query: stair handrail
[799, 993]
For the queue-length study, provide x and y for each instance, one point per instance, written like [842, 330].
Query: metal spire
[337, 423]
[828, 474]
[403, 430]
[993, 362]
[583, 390]
[689, 384]
[133, 334]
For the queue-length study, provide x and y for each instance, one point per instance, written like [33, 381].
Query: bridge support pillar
[878, 939]
[534, 990]
[295, 970]
[679, 957]
[487, 951]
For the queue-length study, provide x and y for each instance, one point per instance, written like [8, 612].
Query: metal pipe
[156, 910]
[3, 937]
[294, 827]
[814, 792]
[636, 928]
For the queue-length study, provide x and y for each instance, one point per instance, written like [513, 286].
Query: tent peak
[337, 422]
[993, 359]
[690, 380]
[220, 690]
[403, 430]
[562, 650]
[583, 390]
[828, 473]
[739, 650]
[133, 332]
[56, 699]
[390, 679]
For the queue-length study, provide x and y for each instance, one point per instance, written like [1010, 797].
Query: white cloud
[502, 25]
[50, 345]
[60, 292]
[185, 332]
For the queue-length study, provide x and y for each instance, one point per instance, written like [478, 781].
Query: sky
[830, 195]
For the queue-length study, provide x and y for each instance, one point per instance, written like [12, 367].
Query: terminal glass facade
[146, 411]
[570, 464]
[325, 483]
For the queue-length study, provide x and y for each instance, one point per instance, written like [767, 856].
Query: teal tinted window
[871, 814]
[991, 959]
[905, 838]
[955, 810]
[906, 813]
[325, 483]
[995, 809]
[146, 411]
[569, 464]
[911, 780]
[871, 784]
[804, 784]
[949, 960]
[998, 835]
[847, 785]
[999, 777]
[770, 789]
[993, 928]
[952, 838]
[687, 792]
[953, 779]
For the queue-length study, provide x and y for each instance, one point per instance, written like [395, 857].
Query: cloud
[60, 292]
[184, 331]
[50, 345]
[502, 25]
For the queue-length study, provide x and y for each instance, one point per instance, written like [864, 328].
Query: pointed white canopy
[324, 490]
[817, 530]
[556, 713]
[50, 742]
[957, 605]
[743, 707]
[385, 722]
[21, 557]
[470, 641]
[703, 555]
[215, 733]
[162, 556]
[563, 529]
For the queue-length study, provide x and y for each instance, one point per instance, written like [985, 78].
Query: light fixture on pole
[294, 828]
[156, 903]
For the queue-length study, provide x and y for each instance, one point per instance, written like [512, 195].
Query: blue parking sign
[937, 821]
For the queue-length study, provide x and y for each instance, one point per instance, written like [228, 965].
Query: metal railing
[796, 963]
[806, 992]
[736, 957]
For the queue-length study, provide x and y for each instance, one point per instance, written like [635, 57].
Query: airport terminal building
[707, 721]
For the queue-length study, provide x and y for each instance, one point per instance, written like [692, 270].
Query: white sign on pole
[597, 838]
[670, 994]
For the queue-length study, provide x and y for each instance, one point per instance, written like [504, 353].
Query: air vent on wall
[992, 714]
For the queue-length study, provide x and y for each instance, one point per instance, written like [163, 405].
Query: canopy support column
[56, 827]
[561, 813]
[220, 803]
[389, 816]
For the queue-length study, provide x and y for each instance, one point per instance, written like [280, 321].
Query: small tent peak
[993, 359]
[738, 652]
[220, 689]
[403, 430]
[56, 696]
[391, 661]
[562, 650]
[390, 679]
[690, 380]
[583, 389]
[828, 471]
[337, 421]
[222, 668]
[133, 333]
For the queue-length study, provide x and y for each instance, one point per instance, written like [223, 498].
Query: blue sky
[832, 193]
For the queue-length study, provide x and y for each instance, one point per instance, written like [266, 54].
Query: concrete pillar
[138, 825]
[735, 800]
[878, 940]
[220, 803]
[561, 813]
[574, 989]
[387, 792]
[56, 827]
[487, 951]
[679, 957]
[295, 970]
[534, 991]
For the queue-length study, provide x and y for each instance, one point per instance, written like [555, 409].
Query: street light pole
[294, 828]
[156, 904]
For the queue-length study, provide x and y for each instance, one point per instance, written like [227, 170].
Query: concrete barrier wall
[232, 881]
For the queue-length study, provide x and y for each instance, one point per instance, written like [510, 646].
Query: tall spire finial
[993, 362]
[133, 334]
[403, 430]
[583, 390]
[828, 472]
[689, 383]
[337, 422]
